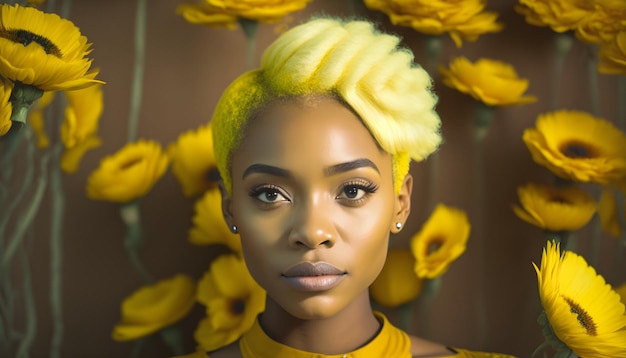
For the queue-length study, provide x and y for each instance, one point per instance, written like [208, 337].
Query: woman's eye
[270, 195]
[353, 192]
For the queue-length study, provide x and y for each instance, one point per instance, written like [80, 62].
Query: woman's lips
[309, 276]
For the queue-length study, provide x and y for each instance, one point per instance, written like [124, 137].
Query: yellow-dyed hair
[365, 68]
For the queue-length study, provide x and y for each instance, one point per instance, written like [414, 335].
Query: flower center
[559, 199]
[434, 245]
[213, 175]
[129, 163]
[237, 307]
[577, 149]
[583, 317]
[25, 38]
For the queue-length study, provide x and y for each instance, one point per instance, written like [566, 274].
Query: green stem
[250, 28]
[482, 117]
[433, 51]
[56, 252]
[562, 45]
[173, 338]
[31, 313]
[138, 70]
[433, 45]
[430, 291]
[134, 238]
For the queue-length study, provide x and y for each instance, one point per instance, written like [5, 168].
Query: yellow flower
[154, 307]
[43, 50]
[5, 107]
[621, 291]
[78, 131]
[577, 146]
[232, 299]
[493, 82]
[441, 240]
[461, 19]
[583, 311]
[554, 209]
[193, 161]
[397, 283]
[209, 227]
[607, 212]
[128, 174]
[604, 22]
[612, 56]
[226, 13]
[36, 118]
[560, 15]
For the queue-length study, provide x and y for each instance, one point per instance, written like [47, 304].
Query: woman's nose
[313, 226]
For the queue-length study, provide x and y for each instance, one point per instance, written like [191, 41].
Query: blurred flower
[78, 131]
[493, 82]
[128, 174]
[560, 15]
[43, 50]
[441, 240]
[154, 307]
[226, 13]
[621, 291]
[607, 19]
[582, 309]
[554, 209]
[5, 106]
[397, 283]
[36, 118]
[209, 227]
[607, 212]
[193, 161]
[461, 19]
[612, 55]
[232, 299]
[577, 146]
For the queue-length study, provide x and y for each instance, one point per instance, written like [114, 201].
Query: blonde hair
[365, 68]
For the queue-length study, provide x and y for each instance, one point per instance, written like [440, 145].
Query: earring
[398, 225]
[233, 229]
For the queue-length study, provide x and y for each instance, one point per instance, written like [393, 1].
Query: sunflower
[612, 55]
[492, 82]
[441, 240]
[43, 50]
[5, 107]
[232, 299]
[461, 19]
[209, 227]
[582, 309]
[577, 146]
[554, 209]
[128, 174]
[226, 13]
[154, 307]
[397, 283]
[607, 212]
[193, 161]
[78, 130]
[560, 15]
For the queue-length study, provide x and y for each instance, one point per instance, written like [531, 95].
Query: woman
[314, 149]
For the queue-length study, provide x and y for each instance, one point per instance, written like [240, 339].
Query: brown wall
[187, 67]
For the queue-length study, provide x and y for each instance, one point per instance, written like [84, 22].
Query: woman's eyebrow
[266, 169]
[347, 166]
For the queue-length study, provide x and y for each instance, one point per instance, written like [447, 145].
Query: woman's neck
[355, 325]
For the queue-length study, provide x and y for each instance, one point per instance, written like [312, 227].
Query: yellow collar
[390, 342]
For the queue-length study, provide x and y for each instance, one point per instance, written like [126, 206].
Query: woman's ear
[227, 206]
[403, 204]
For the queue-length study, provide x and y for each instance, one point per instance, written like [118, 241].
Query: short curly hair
[350, 59]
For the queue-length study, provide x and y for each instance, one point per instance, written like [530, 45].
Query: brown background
[187, 67]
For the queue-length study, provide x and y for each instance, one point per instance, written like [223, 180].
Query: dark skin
[326, 196]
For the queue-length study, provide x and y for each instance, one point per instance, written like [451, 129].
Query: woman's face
[314, 204]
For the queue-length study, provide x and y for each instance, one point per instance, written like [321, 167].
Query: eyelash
[266, 188]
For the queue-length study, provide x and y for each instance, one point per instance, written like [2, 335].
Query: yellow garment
[390, 342]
